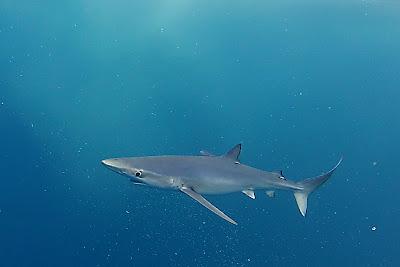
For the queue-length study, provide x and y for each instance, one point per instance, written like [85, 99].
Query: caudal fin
[309, 185]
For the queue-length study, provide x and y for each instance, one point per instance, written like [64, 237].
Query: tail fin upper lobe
[309, 185]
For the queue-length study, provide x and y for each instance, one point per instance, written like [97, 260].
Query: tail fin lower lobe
[309, 185]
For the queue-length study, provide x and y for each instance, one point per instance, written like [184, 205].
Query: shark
[209, 174]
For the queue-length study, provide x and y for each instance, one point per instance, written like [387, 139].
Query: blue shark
[206, 173]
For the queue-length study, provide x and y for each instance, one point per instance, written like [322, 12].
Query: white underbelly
[217, 188]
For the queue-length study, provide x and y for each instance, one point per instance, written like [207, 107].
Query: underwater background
[299, 83]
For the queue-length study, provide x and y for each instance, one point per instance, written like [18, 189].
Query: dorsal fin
[234, 152]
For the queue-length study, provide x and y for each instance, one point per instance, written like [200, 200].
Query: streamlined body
[209, 174]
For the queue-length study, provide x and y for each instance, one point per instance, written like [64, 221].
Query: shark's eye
[138, 173]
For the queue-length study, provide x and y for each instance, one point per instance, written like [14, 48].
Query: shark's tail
[309, 185]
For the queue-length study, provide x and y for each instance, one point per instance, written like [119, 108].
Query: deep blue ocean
[298, 83]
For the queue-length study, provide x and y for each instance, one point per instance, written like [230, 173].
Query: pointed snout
[112, 164]
[106, 162]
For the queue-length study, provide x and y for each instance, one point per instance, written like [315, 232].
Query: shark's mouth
[137, 181]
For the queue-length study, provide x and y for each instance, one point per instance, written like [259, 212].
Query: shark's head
[142, 170]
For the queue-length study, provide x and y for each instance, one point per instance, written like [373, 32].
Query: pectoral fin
[199, 198]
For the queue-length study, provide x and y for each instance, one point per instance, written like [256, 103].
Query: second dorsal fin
[234, 152]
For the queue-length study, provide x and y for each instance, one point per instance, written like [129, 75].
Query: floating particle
[373, 228]
[374, 163]
[127, 211]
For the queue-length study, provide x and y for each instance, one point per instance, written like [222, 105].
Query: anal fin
[199, 198]
[270, 193]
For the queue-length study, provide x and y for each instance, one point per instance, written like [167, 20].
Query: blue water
[299, 83]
